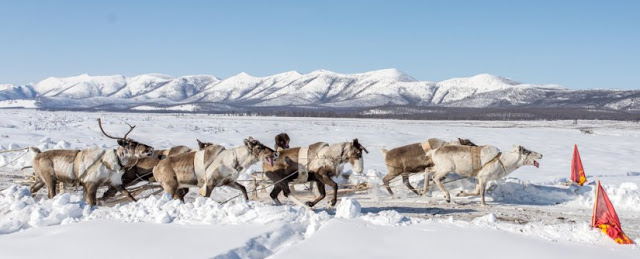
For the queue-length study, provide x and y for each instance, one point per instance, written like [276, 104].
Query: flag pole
[595, 206]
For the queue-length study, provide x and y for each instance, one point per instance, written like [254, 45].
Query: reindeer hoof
[459, 194]
[310, 204]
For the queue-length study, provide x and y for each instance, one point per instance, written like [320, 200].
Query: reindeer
[411, 159]
[91, 167]
[139, 149]
[315, 163]
[142, 170]
[486, 163]
[163, 153]
[282, 142]
[230, 163]
[211, 167]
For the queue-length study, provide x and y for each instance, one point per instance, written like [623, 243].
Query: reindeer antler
[101, 129]
[130, 130]
[125, 135]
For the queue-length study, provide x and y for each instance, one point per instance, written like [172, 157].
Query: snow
[532, 213]
[184, 107]
[18, 104]
[358, 239]
[348, 208]
[130, 240]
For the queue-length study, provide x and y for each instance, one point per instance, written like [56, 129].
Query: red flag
[577, 172]
[606, 218]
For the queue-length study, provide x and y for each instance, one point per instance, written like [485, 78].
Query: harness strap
[475, 172]
[198, 163]
[476, 163]
[303, 165]
[501, 164]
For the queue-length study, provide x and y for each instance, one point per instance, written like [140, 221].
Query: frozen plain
[530, 214]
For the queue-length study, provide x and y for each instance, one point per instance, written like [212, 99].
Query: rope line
[260, 189]
[13, 150]
[15, 159]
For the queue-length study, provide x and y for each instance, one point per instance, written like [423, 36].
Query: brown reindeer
[411, 159]
[282, 142]
[162, 153]
[142, 170]
[140, 150]
[91, 167]
[315, 163]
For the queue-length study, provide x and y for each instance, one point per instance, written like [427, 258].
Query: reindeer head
[354, 153]
[136, 148]
[466, 142]
[126, 157]
[260, 151]
[282, 141]
[203, 145]
[529, 157]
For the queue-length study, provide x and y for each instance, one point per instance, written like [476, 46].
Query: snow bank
[625, 196]
[348, 208]
[21, 211]
[386, 218]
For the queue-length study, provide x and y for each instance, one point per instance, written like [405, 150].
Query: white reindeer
[486, 163]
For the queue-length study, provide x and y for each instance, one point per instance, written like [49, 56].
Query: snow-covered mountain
[320, 89]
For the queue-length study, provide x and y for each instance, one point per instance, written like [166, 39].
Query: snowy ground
[530, 214]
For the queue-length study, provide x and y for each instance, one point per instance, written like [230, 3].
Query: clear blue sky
[578, 44]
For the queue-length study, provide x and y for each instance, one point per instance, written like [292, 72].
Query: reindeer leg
[465, 193]
[321, 190]
[405, 180]
[123, 190]
[277, 188]
[183, 192]
[274, 194]
[438, 180]
[427, 173]
[284, 186]
[237, 186]
[90, 190]
[482, 186]
[386, 179]
[109, 193]
[35, 187]
[51, 187]
[324, 177]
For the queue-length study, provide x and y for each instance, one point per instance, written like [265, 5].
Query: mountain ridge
[319, 88]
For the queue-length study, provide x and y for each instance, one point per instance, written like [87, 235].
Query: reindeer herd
[179, 168]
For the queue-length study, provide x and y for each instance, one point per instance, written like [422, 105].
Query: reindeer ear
[520, 148]
[355, 142]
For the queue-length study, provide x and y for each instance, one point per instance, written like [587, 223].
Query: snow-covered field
[530, 214]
